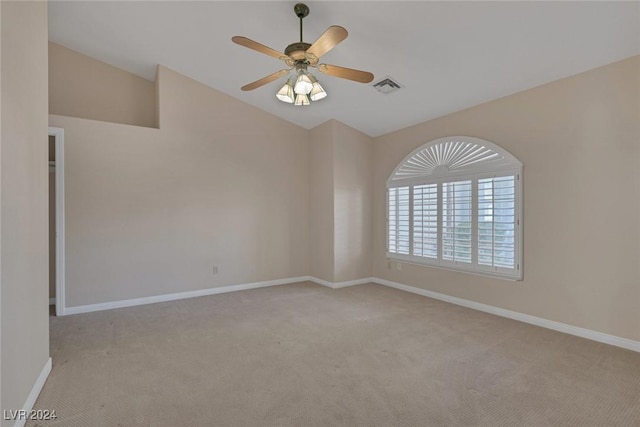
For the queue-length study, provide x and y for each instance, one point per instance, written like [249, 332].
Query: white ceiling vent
[387, 85]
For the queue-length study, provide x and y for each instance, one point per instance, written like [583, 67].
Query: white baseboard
[180, 295]
[35, 392]
[52, 301]
[338, 285]
[538, 321]
[526, 318]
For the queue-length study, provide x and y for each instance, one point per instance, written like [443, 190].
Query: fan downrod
[296, 51]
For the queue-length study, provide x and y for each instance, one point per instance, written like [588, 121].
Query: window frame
[510, 167]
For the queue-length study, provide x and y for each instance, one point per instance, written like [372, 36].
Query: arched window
[455, 203]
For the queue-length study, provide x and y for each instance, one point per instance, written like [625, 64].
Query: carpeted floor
[305, 355]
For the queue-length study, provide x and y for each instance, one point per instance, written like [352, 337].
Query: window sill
[408, 259]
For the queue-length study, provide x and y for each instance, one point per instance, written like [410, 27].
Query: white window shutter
[456, 221]
[496, 221]
[425, 221]
[399, 220]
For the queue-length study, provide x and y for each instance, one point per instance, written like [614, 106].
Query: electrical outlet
[399, 265]
[215, 269]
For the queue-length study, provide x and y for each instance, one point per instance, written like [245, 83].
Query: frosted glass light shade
[317, 92]
[285, 94]
[302, 99]
[303, 85]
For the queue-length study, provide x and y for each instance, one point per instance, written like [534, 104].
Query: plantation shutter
[496, 221]
[425, 221]
[398, 221]
[456, 221]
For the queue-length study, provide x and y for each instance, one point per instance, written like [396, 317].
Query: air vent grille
[387, 85]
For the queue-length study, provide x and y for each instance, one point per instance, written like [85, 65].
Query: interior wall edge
[339, 285]
[24, 210]
[35, 392]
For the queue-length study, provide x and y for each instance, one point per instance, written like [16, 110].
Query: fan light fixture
[317, 91]
[285, 94]
[301, 90]
[302, 99]
[303, 84]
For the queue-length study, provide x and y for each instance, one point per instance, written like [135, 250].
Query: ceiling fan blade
[328, 40]
[243, 41]
[346, 73]
[263, 81]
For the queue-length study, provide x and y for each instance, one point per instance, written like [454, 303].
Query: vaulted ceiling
[447, 55]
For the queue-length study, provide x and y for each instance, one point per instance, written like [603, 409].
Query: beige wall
[150, 211]
[80, 86]
[341, 201]
[23, 192]
[353, 203]
[321, 221]
[578, 139]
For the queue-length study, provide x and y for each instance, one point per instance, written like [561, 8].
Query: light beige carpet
[305, 355]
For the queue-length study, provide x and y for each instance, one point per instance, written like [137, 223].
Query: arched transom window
[455, 203]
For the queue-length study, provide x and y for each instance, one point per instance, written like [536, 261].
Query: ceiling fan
[303, 86]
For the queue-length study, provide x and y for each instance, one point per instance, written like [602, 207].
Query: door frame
[58, 134]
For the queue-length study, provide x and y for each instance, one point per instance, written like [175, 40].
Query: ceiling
[447, 55]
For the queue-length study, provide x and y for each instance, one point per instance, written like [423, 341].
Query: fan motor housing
[296, 50]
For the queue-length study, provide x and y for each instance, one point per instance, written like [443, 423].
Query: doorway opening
[56, 220]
